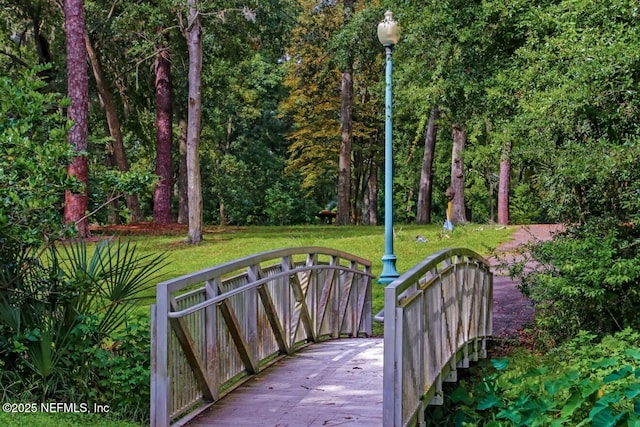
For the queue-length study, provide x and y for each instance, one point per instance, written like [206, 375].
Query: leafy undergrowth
[581, 383]
[525, 340]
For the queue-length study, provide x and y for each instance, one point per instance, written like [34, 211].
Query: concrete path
[334, 383]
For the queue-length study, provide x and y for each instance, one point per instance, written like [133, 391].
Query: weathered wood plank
[274, 321]
[251, 365]
[331, 383]
[181, 331]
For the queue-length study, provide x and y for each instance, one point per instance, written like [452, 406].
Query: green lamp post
[388, 34]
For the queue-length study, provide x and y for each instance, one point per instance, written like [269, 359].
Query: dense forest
[267, 112]
[255, 112]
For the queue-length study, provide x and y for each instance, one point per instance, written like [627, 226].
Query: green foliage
[594, 178]
[119, 374]
[108, 188]
[34, 154]
[580, 383]
[285, 204]
[62, 419]
[525, 205]
[59, 319]
[278, 204]
[586, 278]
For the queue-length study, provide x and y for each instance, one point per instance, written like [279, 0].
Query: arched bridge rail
[214, 329]
[437, 317]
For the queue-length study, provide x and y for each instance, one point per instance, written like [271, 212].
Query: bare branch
[15, 58]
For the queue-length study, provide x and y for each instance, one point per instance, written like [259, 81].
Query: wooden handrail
[256, 284]
[437, 317]
[215, 328]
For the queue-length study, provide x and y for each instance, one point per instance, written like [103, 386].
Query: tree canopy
[547, 90]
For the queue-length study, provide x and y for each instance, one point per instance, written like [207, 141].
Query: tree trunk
[76, 204]
[458, 215]
[346, 134]
[113, 207]
[503, 184]
[162, 213]
[223, 214]
[113, 122]
[344, 164]
[359, 183]
[425, 191]
[183, 198]
[194, 46]
[372, 194]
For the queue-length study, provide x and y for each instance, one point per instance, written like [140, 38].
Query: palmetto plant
[107, 284]
[65, 304]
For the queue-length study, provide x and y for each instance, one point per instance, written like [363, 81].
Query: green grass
[365, 241]
[60, 420]
[221, 246]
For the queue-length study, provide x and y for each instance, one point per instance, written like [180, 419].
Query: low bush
[582, 382]
[587, 278]
[118, 374]
[66, 329]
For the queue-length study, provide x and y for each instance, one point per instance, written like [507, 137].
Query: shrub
[580, 383]
[525, 206]
[118, 374]
[62, 326]
[585, 279]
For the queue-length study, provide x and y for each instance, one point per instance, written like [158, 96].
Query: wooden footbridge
[283, 338]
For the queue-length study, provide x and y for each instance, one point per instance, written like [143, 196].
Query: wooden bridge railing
[213, 329]
[437, 317]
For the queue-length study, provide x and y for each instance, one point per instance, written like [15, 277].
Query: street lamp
[388, 34]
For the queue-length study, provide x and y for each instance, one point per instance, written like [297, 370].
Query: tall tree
[371, 196]
[193, 34]
[425, 189]
[458, 215]
[311, 106]
[343, 216]
[162, 212]
[116, 147]
[503, 184]
[76, 203]
[183, 182]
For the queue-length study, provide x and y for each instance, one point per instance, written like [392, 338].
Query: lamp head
[388, 30]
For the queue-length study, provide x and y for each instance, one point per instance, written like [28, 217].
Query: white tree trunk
[194, 184]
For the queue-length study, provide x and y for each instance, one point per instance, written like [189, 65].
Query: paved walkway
[511, 310]
[339, 383]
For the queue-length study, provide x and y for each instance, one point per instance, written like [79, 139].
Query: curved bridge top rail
[437, 317]
[213, 329]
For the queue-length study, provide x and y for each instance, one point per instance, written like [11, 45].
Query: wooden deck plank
[336, 382]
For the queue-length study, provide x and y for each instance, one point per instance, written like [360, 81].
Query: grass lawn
[220, 246]
[59, 420]
[365, 241]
